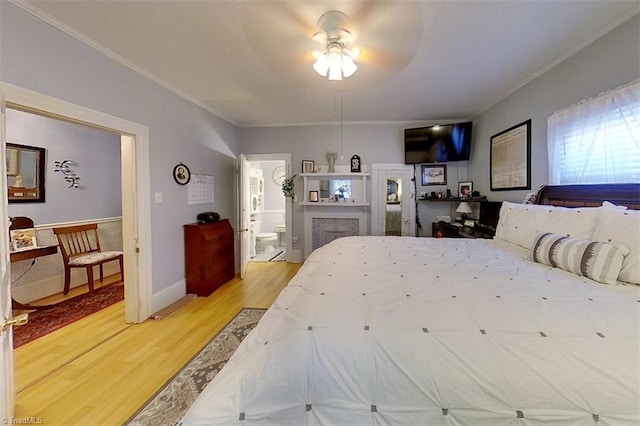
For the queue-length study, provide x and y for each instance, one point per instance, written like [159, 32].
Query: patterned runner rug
[64, 313]
[171, 402]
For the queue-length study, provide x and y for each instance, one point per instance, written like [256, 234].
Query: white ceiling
[250, 61]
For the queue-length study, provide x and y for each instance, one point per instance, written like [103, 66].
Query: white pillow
[622, 228]
[609, 205]
[592, 259]
[519, 223]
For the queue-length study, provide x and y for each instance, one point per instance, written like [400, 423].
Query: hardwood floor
[99, 370]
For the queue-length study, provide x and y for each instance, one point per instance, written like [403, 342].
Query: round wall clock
[279, 173]
[181, 174]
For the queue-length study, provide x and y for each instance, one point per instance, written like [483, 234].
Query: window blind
[597, 140]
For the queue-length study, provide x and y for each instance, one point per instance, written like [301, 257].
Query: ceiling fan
[284, 36]
[337, 58]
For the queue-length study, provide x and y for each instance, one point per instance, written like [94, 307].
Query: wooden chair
[80, 248]
[20, 222]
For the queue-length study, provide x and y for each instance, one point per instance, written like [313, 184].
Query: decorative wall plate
[181, 174]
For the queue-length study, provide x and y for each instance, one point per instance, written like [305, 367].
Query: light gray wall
[38, 57]
[608, 62]
[97, 157]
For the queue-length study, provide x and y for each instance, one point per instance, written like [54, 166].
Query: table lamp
[464, 208]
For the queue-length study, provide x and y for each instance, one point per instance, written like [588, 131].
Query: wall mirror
[25, 173]
[340, 188]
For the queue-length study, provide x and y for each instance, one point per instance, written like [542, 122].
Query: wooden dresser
[209, 256]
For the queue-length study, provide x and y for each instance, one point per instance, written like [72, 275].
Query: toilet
[266, 242]
[281, 230]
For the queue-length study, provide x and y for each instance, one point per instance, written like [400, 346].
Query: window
[597, 140]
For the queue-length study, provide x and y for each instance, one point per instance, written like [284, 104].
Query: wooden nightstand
[447, 230]
[467, 232]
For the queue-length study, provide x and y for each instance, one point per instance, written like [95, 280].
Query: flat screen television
[436, 144]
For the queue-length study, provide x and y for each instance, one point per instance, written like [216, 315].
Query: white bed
[398, 330]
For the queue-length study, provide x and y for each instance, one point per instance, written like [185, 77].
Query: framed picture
[355, 164]
[181, 174]
[510, 158]
[308, 166]
[23, 239]
[434, 174]
[465, 189]
[313, 196]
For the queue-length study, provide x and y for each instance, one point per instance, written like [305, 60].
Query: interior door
[245, 215]
[6, 335]
[396, 206]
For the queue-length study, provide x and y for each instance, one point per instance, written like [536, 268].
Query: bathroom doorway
[268, 230]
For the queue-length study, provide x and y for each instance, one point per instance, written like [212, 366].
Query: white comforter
[393, 330]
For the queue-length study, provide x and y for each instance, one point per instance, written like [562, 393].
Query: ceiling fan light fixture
[348, 66]
[337, 60]
[321, 65]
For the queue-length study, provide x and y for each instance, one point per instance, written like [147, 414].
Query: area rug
[45, 321]
[171, 402]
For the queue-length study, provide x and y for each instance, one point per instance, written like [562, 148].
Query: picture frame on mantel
[434, 174]
[308, 166]
[510, 158]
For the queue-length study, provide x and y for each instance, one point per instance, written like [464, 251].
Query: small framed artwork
[510, 158]
[355, 164]
[181, 174]
[313, 196]
[23, 239]
[308, 166]
[434, 174]
[465, 189]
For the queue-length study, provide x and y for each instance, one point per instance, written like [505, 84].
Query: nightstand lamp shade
[465, 209]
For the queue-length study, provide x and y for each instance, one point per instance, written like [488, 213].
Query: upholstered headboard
[625, 194]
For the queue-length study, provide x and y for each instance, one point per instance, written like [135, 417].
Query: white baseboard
[168, 295]
[294, 256]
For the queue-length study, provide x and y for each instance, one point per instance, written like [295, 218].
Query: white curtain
[597, 140]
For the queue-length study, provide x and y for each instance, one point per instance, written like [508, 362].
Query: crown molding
[41, 15]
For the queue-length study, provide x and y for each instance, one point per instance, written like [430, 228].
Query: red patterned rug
[64, 313]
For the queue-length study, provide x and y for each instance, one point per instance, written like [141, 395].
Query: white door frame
[7, 392]
[378, 203]
[286, 157]
[245, 213]
[136, 209]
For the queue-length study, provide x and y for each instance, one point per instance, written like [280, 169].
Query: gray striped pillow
[593, 259]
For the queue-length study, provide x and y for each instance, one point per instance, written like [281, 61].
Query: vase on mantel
[331, 158]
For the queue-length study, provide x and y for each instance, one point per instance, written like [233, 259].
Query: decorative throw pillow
[599, 261]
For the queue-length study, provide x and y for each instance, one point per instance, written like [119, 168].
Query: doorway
[80, 167]
[134, 166]
[267, 229]
[393, 209]
[270, 216]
